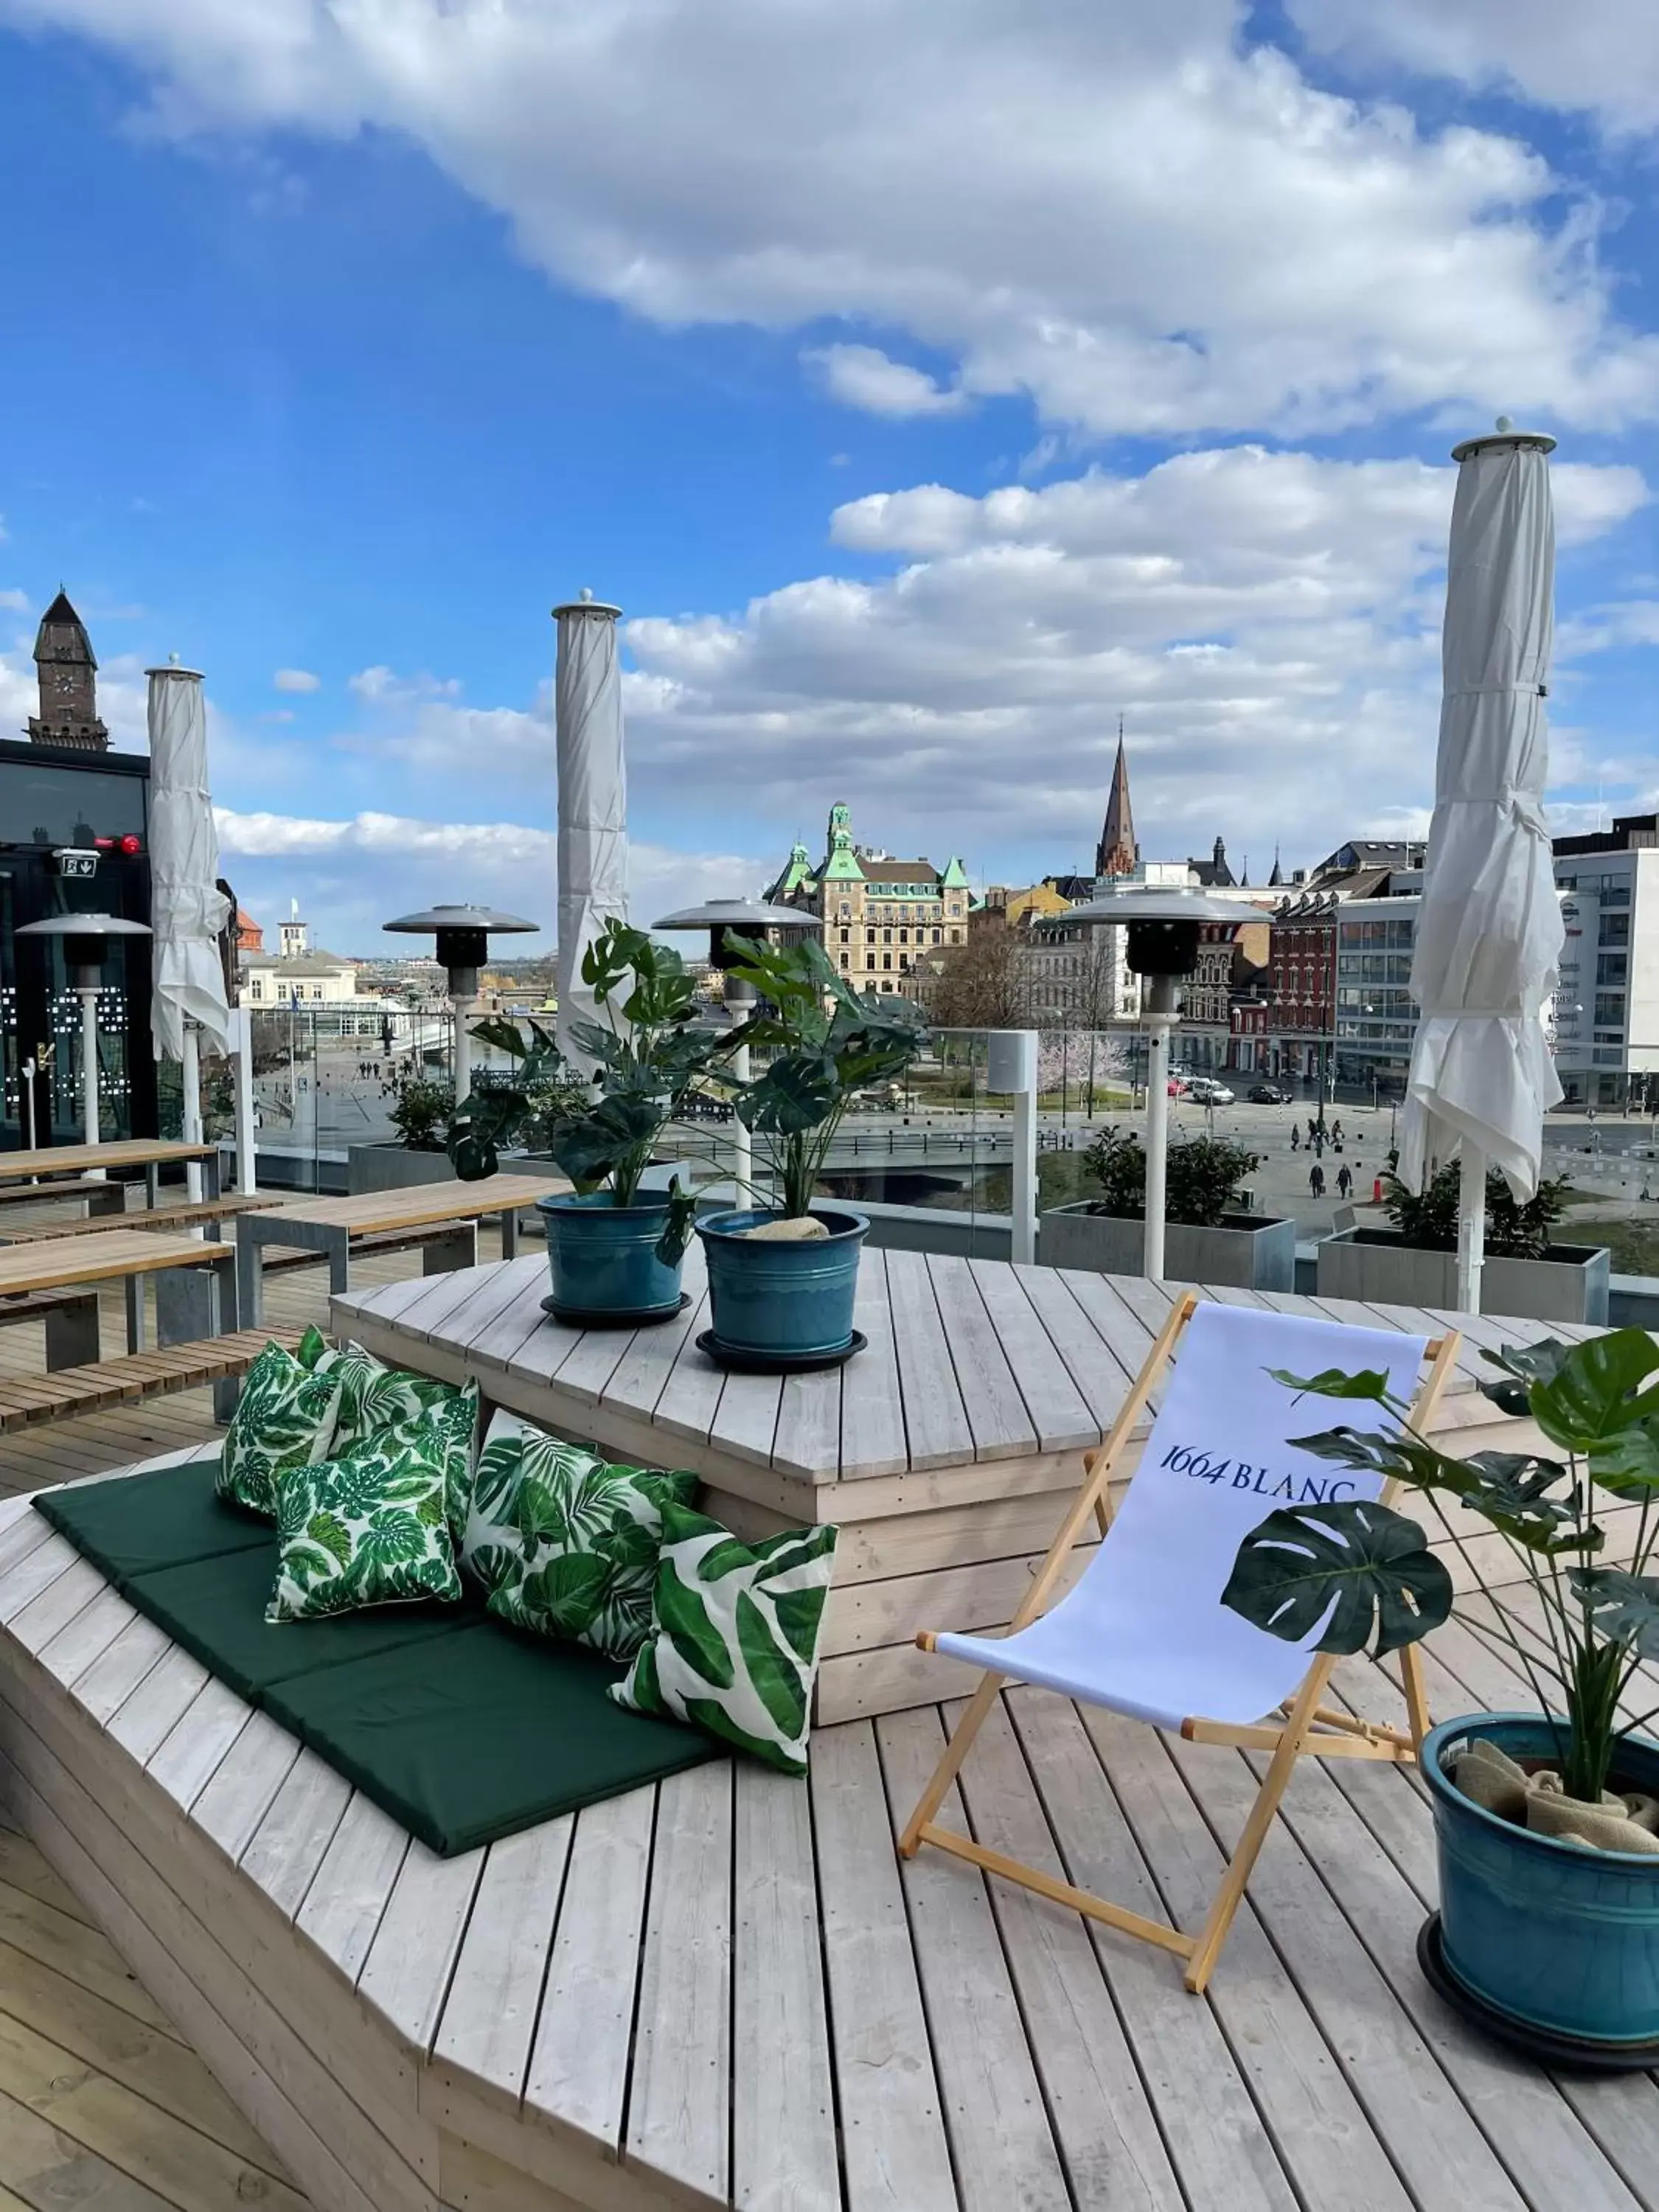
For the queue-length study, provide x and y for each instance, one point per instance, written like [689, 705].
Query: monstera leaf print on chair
[733, 1646]
[370, 1528]
[565, 1542]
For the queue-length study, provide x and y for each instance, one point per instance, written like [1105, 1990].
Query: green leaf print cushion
[375, 1397]
[733, 1646]
[565, 1543]
[286, 1416]
[368, 1527]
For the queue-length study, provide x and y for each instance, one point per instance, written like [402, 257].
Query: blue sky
[922, 420]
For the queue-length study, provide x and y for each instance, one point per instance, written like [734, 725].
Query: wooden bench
[104, 1198]
[26, 1400]
[71, 1320]
[277, 1262]
[189, 1214]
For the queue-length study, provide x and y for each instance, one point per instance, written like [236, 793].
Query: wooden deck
[725, 1992]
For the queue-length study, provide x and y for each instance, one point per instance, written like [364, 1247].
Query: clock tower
[68, 682]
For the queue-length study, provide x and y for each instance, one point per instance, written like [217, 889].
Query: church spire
[1117, 852]
[1275, 882]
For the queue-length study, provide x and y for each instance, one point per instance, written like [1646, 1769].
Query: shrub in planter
[1203, 1177]
[614, 1252]
[420, 1113]
[781, 1279]
[1427, 1220]
[1547, 1822]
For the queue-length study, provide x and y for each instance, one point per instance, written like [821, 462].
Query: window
[869, 959]
[887, 937]
[956, 934]
[1609, 1010]
[1612, 967]
[904, 960]
[1615, 890]
[1614, 930]
[870, 938]
[936, 937]
[846, 911]
[904, 937]
[846, 936]
[843, 960]
[886, 959]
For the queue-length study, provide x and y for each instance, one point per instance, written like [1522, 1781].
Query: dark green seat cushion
[142, 1522]
[461, 1729]
[474, 1735]
[216, 1609]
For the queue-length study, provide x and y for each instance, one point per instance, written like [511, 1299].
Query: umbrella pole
[190, 1127]
[88, 998]
[246, 1168]
[1471, 1229]
[1160, 1010]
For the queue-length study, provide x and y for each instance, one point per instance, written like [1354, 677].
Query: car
[1267, 1094]
[1204, 1092]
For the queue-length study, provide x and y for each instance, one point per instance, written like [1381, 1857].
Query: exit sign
[77, 863]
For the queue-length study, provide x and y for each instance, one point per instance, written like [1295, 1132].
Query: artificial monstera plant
[1584, 1625]
[647, 1052]
[824, 1042]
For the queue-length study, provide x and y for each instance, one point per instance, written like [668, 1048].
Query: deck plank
[489, 2016]
[348, 1892]
[896, 2155]
[1001, 2143]
[936, 1421]
[873, 1438]
[406, 1974]
[1002, 1427]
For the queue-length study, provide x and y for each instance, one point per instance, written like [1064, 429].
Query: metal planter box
[392, 1167]
[1372, 1264]
[1246, 1253]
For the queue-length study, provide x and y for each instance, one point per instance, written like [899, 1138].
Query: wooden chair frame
[1309, 1729]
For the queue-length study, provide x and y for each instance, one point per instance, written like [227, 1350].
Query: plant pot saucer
[605, 1318]
[1548, 2046]
[740, 1359]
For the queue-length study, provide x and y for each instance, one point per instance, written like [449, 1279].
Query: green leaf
[776, 1680]
[333, 1536]
[676, 1234]
[1336, 1383]
[684, 1618]
[704, 1713]
[1628, 1464]
[724, 1559]
[565, 1593]
[1596, 1389]
[1366, 1567]
[1625, 1607]
[800, 1615]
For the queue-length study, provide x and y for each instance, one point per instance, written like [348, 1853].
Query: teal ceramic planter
[782, 1301]
[1554, 1936]
[604, 1259]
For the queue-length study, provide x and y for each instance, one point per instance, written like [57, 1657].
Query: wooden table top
[373, 1212]
[76, 1159]
[113, 1252]
[970, 1363]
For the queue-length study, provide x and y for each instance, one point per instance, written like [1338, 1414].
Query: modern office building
[73, 838]
[1606, 1011]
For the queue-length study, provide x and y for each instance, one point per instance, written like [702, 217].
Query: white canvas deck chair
[1144, 1632]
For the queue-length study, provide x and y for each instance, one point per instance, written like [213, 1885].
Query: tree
[983, 984]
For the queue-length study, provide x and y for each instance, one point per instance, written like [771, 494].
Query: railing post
[1011, 1070]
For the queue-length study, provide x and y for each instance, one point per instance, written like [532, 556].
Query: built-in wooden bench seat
[27, 1400]
[101, 1197]
[277, 1260]
[189, 1214]
[70, 1316]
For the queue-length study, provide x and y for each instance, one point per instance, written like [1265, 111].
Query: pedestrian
[1317, 1180]
[1345, 1181]
[1312, 1126]
[1296, 1138]
[1336, 1134]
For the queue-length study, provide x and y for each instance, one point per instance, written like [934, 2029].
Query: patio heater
[753, 918]
[462, 933]
[86, 939]
[1162, 950]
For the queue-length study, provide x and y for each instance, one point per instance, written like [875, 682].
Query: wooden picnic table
[128, 1255]
[338, 1226]
[149, 1153]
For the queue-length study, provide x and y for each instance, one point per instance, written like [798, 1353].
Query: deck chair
[1143, 1631]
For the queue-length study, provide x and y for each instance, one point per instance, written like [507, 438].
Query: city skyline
[352, 349]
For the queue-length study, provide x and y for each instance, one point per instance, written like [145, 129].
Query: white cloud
[864, 377]
[296, 680]
[14, 603]
[352, 874]
[381, 686]
[1602, 57]
[1128, 212]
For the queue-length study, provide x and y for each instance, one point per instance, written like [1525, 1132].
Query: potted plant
[1209, 1239]
[781, 1277]
[614, 1249]
[1414, 1262]
[1548, 1926]
[419, 1112]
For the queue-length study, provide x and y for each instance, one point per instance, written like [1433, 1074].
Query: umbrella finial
[1505, 423]
[587, 594]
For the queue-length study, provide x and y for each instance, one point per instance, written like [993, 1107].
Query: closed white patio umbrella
[593, 841]
[188, 910]
[1489, 936]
